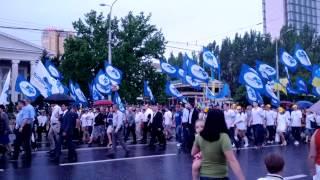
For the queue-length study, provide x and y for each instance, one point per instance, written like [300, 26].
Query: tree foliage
[135, 44]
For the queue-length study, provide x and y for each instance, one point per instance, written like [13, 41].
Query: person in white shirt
[139, 117]
[148, 115]
[185, 126]
[42, 123]
[257, 125]
[54, 130]
[271, 117]
[310, 123]
[241, 126]
[282, 124]
[296, 118]
[168, 123]
[229, 115]
[86, 121]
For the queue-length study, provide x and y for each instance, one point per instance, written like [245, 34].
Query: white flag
[5, 90]
[44, 82]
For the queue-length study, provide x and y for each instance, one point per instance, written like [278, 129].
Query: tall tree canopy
[135, 44]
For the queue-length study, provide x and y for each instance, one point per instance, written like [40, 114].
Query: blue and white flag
[209, 94]
[250, 77]
[315, 79]
[117, 100]
[112, 72]
[186, 62]
[102, 83]
[147, 91]
[197, 72]
[168, 68]
[181, 74]
[287, 60]
[72, 90]
[275, 102]
[44, 82]
[302, 57]
[291, 90]
[266, 71]
[251, 94]
[316, 91]
[270, 92]
[79, 94]
[26, 88]
[190, 81]
[209, 59]
[95, 94]
[51, 68]
[5, 90]
[172, 91]
[301, 86]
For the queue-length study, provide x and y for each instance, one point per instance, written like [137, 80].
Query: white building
[18, 55]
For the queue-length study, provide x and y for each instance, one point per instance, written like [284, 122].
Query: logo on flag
[249, 76]
[168, 68]
[192, 82]
[288, 60]
[26, 88]
[302, 57]
[265, 70]
[172, 91]
[209, 59]
[113, 73]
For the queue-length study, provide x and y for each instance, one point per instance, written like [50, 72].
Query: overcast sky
[193, 21]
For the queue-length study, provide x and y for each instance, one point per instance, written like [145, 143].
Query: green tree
[135, 44]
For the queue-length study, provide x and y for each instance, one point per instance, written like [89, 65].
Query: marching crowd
[108, 126]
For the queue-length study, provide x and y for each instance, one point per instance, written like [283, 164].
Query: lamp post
[109, 30]
[109, 34]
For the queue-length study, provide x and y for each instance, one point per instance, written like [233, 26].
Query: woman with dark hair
[215, 146]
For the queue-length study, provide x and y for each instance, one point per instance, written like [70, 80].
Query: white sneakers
[296, 143]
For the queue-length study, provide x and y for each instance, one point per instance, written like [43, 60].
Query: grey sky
[192, 21]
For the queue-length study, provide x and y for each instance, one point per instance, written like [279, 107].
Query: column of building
[15, 71]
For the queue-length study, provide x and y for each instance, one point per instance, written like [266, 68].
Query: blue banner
[186, 62]
[181, 74]
[190, 81]
[291, 90]
[315, 79]
[102, 83]
[251, 94]
[95, 94]
[302, 57]
[209, 59]
[267, 72]
[210, 95]
[72, 90]
[113, 73]
[301, 86]
[172, 91]
[168, 69]
[270, 92]
[316, 91]
[5, 90]
[79, 94]
[51, 68]
[250, 77]
[26, 88]
[147, 91]
[197, 72]
[117, 100]
[287, 60]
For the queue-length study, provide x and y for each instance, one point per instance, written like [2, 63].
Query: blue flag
[209, 59]
[5, 90]
[172, 91]
[72, 90]
[267, 72]
[102, 83]
[53, 71]
[316, 91]
[302, 57]
[190, 81]
[79, 94]
[270, 92]
[117, 100]
[210, 95]
[95, 94]
[251, 95]
[181, 74]
[147, 91]
[315, 79]
[287, 60]
[197, 72]
[113, 73]
[291, 90]
[168, 69]
[250, 77]
[26, 88]
[301, 86]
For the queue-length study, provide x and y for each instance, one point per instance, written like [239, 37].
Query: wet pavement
[144, 163]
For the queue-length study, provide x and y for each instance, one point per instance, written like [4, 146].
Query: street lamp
[109, 33]
[109, 29]
[277, 58]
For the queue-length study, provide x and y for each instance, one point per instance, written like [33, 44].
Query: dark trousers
[23, 139]
[40, 130]
[144, 132]
[210, 178]
[258, 132]
[296, 133]
[159, 135]
[72, 154]
[131, 129]
[231, 134]
[271, 133]
[185, 136]
[178, 133]
[118, 136]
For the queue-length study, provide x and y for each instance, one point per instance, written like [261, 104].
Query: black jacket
[68, 122]
[157, 121]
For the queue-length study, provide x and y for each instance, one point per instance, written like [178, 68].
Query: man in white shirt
[54, 130]
[42, 123]
[117, 134]
[148, 115]
[271, 117]
[257, 124]
[296, 117]
[185, 126]
[139, 118]
[168, 123]
[229, 116]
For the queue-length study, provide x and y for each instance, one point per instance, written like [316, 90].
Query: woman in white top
[282, 124]
[241, 125]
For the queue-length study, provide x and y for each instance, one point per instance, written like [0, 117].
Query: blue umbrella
[304, 104]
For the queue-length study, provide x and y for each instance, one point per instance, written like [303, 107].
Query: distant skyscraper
[53, 40]
[297, 13]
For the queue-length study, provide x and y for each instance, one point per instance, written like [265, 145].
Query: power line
[186, 49]
[30, 29]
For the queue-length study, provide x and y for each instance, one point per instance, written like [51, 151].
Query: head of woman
[215, 125]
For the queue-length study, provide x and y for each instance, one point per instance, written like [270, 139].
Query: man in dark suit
[193, 117]
[68, 120]
[157, 128]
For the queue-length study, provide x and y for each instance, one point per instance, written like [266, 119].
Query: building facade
[20, 57]
[53, 40]
[296, 13]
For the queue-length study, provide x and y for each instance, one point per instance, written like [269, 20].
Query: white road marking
[295, 177]
[244, 148]
[1, 170]
[119, 159]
